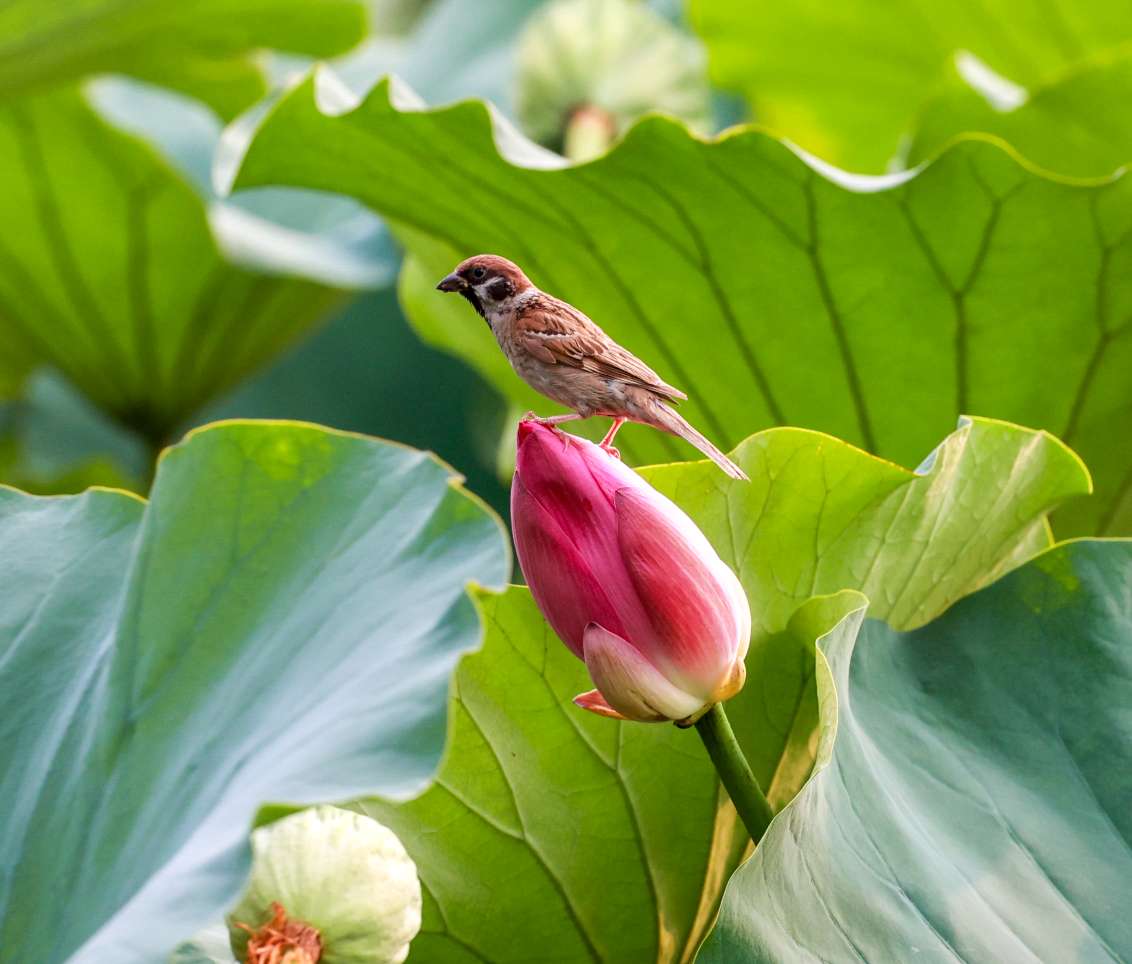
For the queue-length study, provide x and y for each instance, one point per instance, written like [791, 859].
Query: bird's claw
[611, 450]
[548, 420]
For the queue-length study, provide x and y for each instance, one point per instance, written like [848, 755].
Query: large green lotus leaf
[284, 231]
[278, 623]
[819, 516]
[363, 372]
[845, 81]
[769, 293]
[205, 48]
[1079, 124]
[109, 272]
[53, 441]
[973, 804]
[552, 834]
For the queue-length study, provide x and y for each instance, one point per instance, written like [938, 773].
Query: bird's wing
[558, 334]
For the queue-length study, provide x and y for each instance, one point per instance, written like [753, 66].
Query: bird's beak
[452, 282]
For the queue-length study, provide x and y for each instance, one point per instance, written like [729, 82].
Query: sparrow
[562, 354]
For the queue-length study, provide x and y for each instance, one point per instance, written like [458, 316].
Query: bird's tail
[674, 423]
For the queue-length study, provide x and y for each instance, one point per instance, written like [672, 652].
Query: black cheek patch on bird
[500, 289]
[474, 300]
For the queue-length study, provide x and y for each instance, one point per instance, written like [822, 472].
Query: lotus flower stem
[735, 772]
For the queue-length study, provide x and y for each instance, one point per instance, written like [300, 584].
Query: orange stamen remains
[283, 941]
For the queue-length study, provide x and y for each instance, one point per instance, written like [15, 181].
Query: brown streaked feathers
[561, 353]
[559, 334]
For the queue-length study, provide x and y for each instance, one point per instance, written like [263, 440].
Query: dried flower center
[283, 941]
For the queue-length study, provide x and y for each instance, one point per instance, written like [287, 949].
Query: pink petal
[631, 685]
[565, 526]
[549, 457]
[698, 610]
[563, 585]
[554, 466]
[593, 701]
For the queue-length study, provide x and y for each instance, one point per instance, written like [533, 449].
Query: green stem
[735, 772]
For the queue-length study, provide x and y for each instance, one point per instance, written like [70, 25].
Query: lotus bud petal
[626, 580]
[576, 597]
[698, 608]
[630, 683]
[593, 701]
[329, 886]
[565, 526]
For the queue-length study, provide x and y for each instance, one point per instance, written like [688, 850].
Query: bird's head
[487, 281]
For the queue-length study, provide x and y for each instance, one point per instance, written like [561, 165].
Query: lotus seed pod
[601, 64]
[328, 886]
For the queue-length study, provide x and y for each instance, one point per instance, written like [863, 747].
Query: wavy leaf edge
[330, 97]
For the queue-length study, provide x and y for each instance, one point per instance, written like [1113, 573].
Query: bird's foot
[611, 450]
[551, 420]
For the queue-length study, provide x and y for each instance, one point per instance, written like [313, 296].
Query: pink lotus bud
[626, 580]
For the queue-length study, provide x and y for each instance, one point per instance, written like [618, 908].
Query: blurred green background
[867, 219]
[354, 362]
[138, 298]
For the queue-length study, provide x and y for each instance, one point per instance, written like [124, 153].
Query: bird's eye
[479, 273]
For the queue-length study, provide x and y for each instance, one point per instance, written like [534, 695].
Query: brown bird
[559, 352]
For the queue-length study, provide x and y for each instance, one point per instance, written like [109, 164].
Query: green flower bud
[328, 886]
[598, 65]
